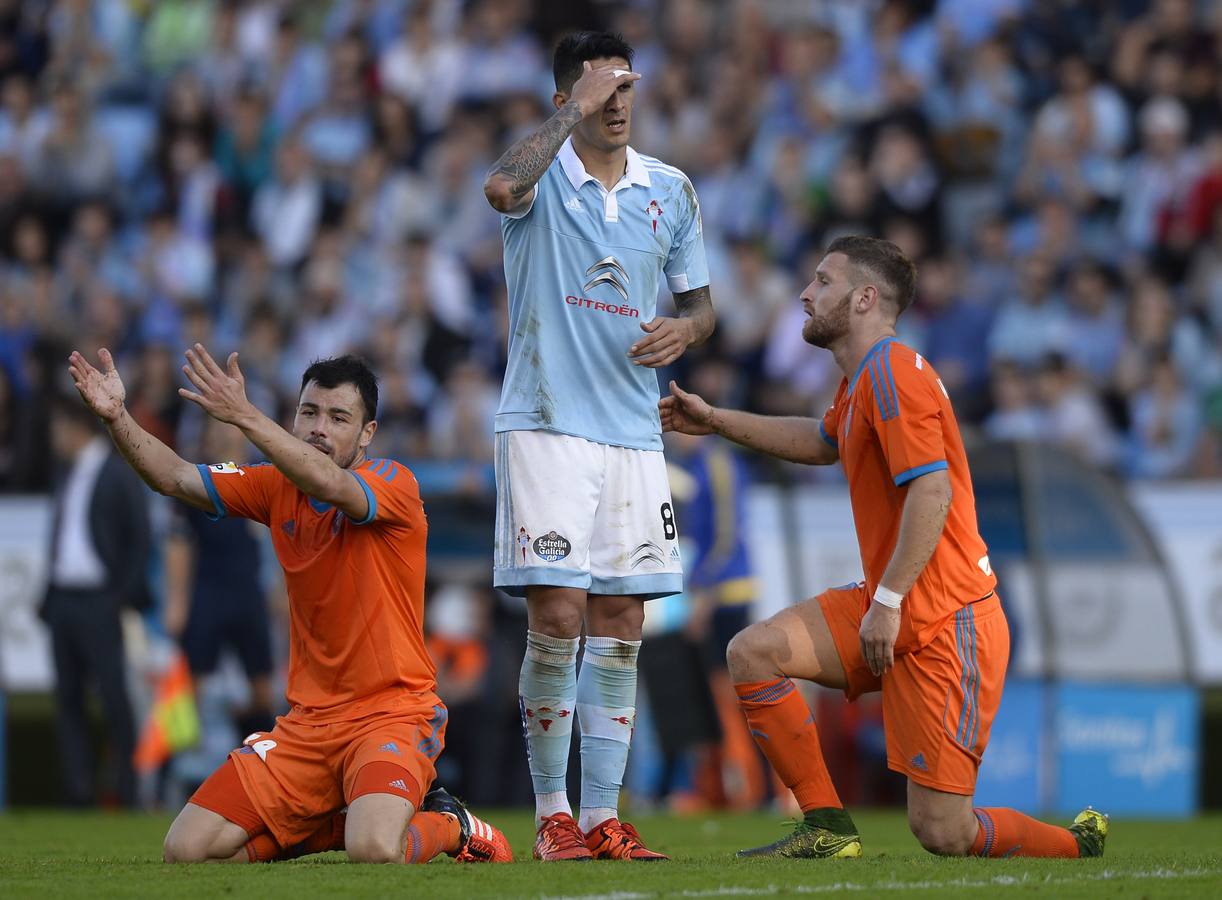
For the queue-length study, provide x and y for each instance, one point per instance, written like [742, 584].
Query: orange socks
[429, 834]
[1007, 832]
[784, 729]
[264, 848]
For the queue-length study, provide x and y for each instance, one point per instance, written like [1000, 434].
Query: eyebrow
[330, 409]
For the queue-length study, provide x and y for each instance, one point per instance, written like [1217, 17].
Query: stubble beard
[343, 460]
[346, 461]
[823, 331]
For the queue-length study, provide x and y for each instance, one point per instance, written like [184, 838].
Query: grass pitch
[62, 855]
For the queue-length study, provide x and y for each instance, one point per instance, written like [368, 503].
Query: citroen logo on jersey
[608, 271]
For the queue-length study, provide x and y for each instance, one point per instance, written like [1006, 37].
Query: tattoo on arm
[525, 162]
[697, 305]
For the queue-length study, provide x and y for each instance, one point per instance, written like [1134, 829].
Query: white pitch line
[996, 881]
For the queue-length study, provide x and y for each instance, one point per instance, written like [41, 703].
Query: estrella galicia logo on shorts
[552, 547]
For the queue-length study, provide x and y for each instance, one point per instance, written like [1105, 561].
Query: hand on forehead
[614, 62]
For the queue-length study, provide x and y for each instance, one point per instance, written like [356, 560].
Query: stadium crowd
[296, 179]
[299, 179]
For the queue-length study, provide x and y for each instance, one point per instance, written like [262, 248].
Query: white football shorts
[575, 513]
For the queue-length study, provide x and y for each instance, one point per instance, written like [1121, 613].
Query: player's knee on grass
[943, 835]
[375, 845]
[375, 829]
[177, 848]
[184, 846]
[753, 653]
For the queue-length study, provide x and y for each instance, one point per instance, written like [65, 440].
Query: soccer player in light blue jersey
[585, 528]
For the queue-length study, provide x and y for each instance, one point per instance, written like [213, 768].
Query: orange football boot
[614, 839]
[559, 838]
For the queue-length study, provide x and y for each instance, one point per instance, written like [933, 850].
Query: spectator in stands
[286, 210]
[956, 334]
[1166, 430]
[1072, 415]
[1095, 326]
[1032, 323]
[1015, 416]
[74, 161]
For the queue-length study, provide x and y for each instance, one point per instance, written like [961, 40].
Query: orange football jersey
[891, 423]
[356, 589]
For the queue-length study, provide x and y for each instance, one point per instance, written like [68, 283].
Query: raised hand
[596, 85]
[221, 392]
[102, 391]
[685, 413]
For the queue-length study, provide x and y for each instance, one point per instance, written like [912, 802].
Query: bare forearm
[311, 470]
[793, 438]
[696, 307]
[161, 468]
[523, 164]
[921, 524]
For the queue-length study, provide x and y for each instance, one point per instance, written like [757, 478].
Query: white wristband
[888, 597]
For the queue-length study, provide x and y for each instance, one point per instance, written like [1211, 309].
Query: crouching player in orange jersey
[350, 765]
[926, 626]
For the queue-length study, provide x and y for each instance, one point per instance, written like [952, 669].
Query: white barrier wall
[25, 652]
[800, 551]
[1186, 520]
[802, 541]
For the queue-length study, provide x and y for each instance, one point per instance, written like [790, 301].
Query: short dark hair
[582, 46]
[346, 369]
[882, 260]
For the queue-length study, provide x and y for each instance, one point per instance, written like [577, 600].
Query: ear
[367, 433]
[559, 99]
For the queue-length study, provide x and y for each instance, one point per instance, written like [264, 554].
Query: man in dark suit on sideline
[100, 542]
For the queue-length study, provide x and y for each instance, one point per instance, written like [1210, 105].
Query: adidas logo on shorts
[398, 783]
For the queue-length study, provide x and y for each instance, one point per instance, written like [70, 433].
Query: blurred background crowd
[299, 179]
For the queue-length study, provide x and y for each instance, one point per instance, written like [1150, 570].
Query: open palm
[102, 391]
[685, 413]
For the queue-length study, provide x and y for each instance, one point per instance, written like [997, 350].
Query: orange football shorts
[298, 775]
[939, 700]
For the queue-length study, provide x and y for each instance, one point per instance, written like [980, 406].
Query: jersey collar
[634, 173]
[870, 354]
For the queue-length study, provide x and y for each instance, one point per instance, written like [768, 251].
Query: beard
[823, 331]
[342, 459]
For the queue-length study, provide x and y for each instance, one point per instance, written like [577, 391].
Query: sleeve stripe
[827, 437]
[391, 471]
[904, 477]
[369, 496]
[218, 508]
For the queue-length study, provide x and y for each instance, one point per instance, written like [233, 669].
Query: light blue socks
[606, 706]
[547, 691]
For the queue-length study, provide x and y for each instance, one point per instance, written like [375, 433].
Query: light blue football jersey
[582, 266]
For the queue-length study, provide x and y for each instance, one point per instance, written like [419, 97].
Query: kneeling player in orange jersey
[926, 626]
[350, 766]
